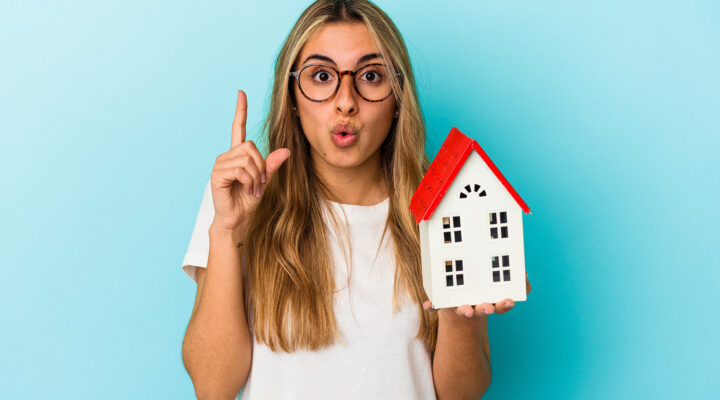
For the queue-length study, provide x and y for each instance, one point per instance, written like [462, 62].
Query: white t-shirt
[380, 358]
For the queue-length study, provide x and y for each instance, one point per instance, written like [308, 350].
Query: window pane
[446, 222]
[449, 280]
[496, 276]
[448, 266]
[460, 280]
[496, 262]
[503, 217]
[504, 231]
[493, 218]
[506, 275]
[458, 236]
[493, 233]
[456, 222]
[458, 265]
[447, 237]
[506, 261]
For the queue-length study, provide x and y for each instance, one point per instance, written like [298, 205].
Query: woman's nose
[346, 97]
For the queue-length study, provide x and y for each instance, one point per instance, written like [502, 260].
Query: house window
[454, 275]
[501, 268]
[498, 226]
[451, 229]
[469, 190]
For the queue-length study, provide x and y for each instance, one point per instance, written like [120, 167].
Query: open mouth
[344, 139]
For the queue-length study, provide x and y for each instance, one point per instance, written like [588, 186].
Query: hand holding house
[471, 231]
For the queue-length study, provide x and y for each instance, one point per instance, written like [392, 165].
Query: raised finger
[238, 126]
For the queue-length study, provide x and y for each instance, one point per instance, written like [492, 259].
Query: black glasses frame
[340, 74]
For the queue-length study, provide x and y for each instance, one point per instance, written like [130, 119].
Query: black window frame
[455, 276]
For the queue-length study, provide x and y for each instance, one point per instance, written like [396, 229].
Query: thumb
[274, 160]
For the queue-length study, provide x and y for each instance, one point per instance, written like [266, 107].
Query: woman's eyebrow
[366, 57]
[319, 57]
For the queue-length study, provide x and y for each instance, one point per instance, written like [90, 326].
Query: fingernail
[262, 178]
[257, 192]
[250, 190]
[488, 311]
[508, 304]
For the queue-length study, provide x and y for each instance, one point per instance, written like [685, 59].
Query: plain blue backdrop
[604, 115]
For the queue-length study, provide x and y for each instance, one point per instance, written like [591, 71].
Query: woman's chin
[343, 159]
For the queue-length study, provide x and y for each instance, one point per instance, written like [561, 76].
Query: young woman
[308, 261]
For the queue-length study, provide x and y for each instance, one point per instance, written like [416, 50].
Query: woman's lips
[343, 140]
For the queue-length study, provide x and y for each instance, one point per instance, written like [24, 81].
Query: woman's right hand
[241, 174]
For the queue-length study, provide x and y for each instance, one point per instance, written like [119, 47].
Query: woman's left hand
[479, 310]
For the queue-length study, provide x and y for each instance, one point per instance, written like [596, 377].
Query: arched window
[471, 190]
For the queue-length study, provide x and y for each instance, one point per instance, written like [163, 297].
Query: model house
[471, 228]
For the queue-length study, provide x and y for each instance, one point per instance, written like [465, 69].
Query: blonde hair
[290, 276]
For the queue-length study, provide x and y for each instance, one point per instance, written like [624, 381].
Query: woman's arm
[461, 362]
[217, 351]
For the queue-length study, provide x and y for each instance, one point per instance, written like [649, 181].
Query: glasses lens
[318, 82]
[373, 82]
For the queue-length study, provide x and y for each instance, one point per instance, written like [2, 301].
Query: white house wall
[425, 257]
[476, 247]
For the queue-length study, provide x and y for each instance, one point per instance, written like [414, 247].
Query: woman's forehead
[344, 43]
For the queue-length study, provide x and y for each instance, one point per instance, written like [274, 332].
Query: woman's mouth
[343, 139]
[343, 134]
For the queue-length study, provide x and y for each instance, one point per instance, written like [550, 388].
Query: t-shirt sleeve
[199, 247]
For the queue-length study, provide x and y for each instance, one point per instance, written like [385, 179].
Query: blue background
[604, 115]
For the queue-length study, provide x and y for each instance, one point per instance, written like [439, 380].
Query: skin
[461, 361]
[354, 174]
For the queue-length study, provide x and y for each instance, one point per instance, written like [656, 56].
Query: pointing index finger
[238, 127]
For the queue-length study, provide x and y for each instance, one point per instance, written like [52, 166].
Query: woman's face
[345, 46]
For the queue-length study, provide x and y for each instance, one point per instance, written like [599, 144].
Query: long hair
[290, 276]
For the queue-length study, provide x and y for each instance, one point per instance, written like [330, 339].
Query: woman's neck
[363, 185]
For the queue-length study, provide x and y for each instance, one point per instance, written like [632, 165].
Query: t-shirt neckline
[356, 212]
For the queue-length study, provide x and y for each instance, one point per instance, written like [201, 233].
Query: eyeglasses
[319, 82]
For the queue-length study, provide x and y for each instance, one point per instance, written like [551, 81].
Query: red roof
[446, 165]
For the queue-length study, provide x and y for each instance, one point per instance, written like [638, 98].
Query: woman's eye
[372, 76]
[322, 76]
